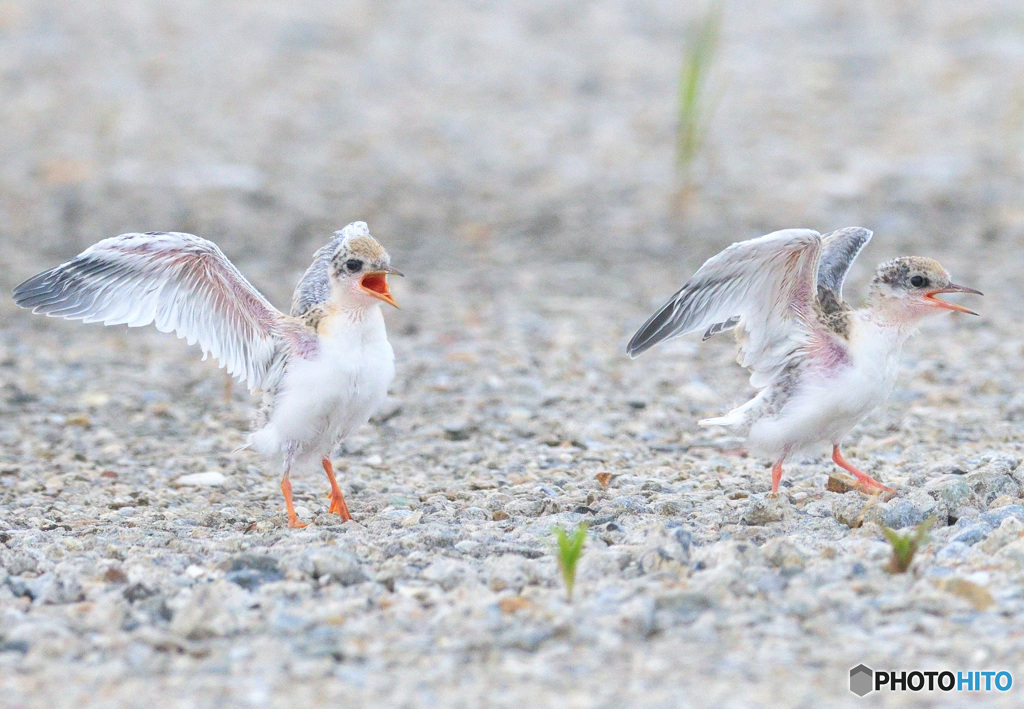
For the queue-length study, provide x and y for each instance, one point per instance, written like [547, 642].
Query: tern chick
[322, 370]
[819, 365]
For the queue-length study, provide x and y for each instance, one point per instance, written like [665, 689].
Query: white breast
[827, 405]
[325, 398]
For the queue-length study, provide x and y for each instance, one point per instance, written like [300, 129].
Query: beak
[375, 283]
[951, 288]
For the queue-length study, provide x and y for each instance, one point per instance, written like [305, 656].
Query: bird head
[905, 289]
[360, 266]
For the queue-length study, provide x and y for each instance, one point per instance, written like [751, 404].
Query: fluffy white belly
[826, 406]
[323, 399]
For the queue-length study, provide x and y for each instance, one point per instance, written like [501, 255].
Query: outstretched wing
[838, 251]
[768, 283]
[179, 282]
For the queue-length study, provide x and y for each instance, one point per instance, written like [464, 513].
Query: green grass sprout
[570, 549]
[904, 546]
[698, 55]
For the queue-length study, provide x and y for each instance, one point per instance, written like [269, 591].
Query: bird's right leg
[286, 488]
[338, 503]
[777, 475]
[868, 483]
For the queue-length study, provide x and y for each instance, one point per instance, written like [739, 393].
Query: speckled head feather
[357, 246]
[911, 273]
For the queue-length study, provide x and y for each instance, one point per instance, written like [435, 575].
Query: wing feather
[764, 285]
[314, 287]
[178, 282]
[838, 251]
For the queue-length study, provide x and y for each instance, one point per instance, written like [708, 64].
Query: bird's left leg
[286, 488]
[866, 480]
[337, 499]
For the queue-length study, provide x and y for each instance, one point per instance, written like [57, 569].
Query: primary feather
[766, 284]
[178, 282]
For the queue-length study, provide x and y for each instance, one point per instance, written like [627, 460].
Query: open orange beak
[951, 288]
[375, 284]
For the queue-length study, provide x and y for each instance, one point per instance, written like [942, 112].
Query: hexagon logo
[862, 680]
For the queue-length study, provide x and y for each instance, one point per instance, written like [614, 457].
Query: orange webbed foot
[338, 503]
[293, 519]
[865, 483]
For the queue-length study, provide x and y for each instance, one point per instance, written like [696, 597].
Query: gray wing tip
[650, 333]
[32, 289]
[857, 232]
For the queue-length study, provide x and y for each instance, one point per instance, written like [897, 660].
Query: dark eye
[353, 265]
[919, 281]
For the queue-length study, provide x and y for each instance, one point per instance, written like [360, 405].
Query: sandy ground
[518, 162]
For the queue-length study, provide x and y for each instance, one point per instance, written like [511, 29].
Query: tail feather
[730, 419]
[736, 417]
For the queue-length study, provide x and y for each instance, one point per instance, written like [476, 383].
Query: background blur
[506, 131]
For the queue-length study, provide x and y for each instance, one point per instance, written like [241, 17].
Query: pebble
[209, 478]
[766, 509]
[971, 533]
[337, 566]
[998, 516]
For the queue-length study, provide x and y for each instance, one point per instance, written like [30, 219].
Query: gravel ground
[518, 164]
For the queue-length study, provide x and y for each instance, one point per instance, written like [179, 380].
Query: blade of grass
[570, 549]
[698, 55]
[905, 546]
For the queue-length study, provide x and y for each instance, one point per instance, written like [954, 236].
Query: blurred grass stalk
[570, 549]
[698, 55]
[905, 546]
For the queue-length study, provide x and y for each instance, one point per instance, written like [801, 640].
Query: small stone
[953, 550]
[972, 533]
[1003, 501]
[990, 482]
[250, 571]
[467, 546]
[457, 430]
[952, 490]
[514, 604]
[447, 573]
[840, 484]
[499, 515]
[851, 510]
[95, 398]
[912, 510]
[995, 517]
[767, 509]
[783, 555]
[115, 575]
[413, 519]
[1009, 530]
[979, 596]
[207, 479]
[338, 566]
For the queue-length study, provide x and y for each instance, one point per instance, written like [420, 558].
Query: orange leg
[866, 480]
[337, 499]
[286, 488]
[776, 475]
